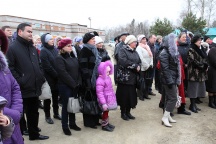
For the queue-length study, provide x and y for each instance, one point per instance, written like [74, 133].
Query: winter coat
[103, 54]
[170, 68]
[47, 57]
[25, 66]
[118, 47]
[211, 82]
[183, 49]
[67, 67]
[146, 60]
[129, 59]
[78, 49]
[104, 89]
[197, 64]
[10, 90]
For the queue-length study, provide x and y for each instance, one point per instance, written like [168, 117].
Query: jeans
[65, 93]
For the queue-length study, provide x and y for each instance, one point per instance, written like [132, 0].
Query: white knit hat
[129, 39]
[140, 37]
[98, 40]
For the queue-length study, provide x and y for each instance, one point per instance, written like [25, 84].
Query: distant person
[101, 49]
[25, 66]
[151, 44]
[129, 62]
[116, 39]
[37, 42]
[170, 76]
[157, 47]
[208, 40]
[197, 72]
[146, 58]
[10, 90]
[8, 31]
[47, 56]
[78, 44]
[69, 76]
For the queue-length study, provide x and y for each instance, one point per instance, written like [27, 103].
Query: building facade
[56, 29]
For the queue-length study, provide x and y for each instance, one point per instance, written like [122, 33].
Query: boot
[57, 116]
[129, 114]
[165, 119]
[49, 120]
[111, 126]
[146, 96]
[75, 127]
[141, 98]
[192, 106]
[211, 102]
[124, 117]
[107, 128]
[161, 105]
[67, 131]
[171, 120]
[181, 110]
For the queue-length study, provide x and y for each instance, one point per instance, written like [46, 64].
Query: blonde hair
[35, 37]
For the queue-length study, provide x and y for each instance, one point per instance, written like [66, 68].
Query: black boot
[75, 127]
[141, 98]
[67, 131]
[107, 128]
[147, 97]
[193, 105]
[129, 114]
[124, 117]
[211, 102]
[181, 110]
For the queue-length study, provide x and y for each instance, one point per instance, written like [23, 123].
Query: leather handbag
[46, 92]
[89, 106]
[73, 105]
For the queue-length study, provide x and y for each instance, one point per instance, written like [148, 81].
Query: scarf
[200, 52]
[97, 62]
[146, 47]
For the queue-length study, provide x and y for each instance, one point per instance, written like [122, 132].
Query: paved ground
[198, 128]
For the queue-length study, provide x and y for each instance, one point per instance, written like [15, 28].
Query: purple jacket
[10, 90]
[104, 88]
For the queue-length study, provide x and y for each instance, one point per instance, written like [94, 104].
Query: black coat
[25, 66]
[67, 67]
[118, 48]
[78, 50]
[47, 57]
[170, 68]
[103, 54]
[211, 82]
[183, 49]
[130, 60]
[87, 64]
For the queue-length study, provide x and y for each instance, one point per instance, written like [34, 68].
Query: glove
[170, 86]
[105, 107]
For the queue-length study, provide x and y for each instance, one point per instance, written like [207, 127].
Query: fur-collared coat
[197, 64]
[10, 90]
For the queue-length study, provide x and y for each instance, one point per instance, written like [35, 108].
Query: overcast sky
[104, 13]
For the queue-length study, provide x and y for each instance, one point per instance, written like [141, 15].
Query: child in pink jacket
[105, 93]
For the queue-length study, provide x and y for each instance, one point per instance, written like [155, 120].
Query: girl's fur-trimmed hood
[102, 68]
[3, 62]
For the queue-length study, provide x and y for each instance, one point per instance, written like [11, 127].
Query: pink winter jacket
[105, 93]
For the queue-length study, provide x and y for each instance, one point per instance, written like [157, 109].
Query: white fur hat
[98, 40]
[129, 39]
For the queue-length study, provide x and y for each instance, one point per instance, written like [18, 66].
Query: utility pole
[90, 21]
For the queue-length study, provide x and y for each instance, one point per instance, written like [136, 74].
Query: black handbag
[91, 106]
[140, 85]
[122, 74]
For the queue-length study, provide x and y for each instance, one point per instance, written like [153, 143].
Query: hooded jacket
[104, 88]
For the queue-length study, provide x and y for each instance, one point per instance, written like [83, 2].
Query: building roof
[211, 32]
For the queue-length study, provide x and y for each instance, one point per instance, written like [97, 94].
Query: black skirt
[126, 96]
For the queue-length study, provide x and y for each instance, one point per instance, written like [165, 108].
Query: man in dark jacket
[24, 65]
[8, 32]
[151, 44]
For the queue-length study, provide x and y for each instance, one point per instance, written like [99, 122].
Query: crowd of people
[183, 66]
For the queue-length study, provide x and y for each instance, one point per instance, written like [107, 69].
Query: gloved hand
[170, 86]
[105, 107]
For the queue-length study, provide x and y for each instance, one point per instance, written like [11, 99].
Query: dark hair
[180, 35]
[151, 36]
[4, 27]
[22, 26]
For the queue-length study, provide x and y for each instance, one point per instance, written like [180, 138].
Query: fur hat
[196, 38]
[129, 39]
[88, 36]
[3, 42]
[98, 40]
[124, 33]
[205, 38]
[64, 42]
[140, 37]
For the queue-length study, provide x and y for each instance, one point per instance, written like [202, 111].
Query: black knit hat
[124, 33]
[88, 36]
[196, 38]
[205, 38]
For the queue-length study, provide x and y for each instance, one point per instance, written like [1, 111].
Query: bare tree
[210, 11]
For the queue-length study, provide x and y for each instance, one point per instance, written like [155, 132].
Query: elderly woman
[146, 58]
[10, 90]
[89, 61]
[129, 66]
[101, 50]
[197, 72]
[170, 76]
[67, 67]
